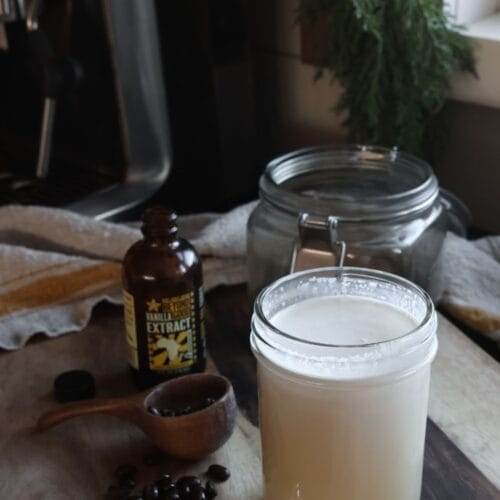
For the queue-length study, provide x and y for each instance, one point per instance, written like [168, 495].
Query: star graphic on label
[153, 305]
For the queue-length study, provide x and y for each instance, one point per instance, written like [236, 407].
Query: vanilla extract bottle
[163, 302]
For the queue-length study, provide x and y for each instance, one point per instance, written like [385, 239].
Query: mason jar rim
[341, 272]
[366, 208]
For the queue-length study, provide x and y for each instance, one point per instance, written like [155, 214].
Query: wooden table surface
[76, 460]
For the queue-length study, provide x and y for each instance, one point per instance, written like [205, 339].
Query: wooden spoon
[190, 436]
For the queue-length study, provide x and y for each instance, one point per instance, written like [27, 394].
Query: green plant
[394, 59]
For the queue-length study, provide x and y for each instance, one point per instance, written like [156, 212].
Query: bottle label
[130, 329]
[171, 333]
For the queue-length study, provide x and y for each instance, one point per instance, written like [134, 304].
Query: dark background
[226, 65]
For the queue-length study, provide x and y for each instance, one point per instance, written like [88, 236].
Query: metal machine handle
[57, 74]
[49, 103]
[46, 134]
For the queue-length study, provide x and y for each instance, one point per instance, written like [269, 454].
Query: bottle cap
[74, 385]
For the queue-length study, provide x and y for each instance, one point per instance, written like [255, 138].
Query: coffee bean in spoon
[167, 412]
[154, 411]
[186, 410]
[218, 473]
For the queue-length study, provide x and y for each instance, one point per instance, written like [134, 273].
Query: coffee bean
[187, 485]
[218, 473]
[125, 470]
[165, 483]
[197, 495]
[151, 492]
[153, 458]
[154, 411]
[209, 402]
[186, 411]
[117, 492]
[171, 494]
[127, 483]
[210, 490]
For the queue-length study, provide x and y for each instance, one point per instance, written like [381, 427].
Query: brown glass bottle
[164, 303]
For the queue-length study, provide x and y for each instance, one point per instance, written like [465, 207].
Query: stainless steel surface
[133, 38]
[8, 11]
[46, 134]
[11, 10]
[49, 103]
[33, 14]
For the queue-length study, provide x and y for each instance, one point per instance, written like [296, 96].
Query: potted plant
[394, 59]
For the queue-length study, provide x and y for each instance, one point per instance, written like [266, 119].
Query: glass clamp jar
[385, 205]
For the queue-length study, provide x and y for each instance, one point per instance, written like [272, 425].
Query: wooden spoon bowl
[190, 436]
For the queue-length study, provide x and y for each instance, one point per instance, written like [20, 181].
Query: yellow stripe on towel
[61, 288]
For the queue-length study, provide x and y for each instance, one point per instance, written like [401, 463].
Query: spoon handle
[119, 407]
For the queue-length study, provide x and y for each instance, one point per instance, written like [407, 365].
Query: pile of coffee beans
[166, 487]
[177, 412]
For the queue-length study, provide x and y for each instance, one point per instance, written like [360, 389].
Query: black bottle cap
[73, 386]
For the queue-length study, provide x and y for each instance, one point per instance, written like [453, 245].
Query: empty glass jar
[373, 207]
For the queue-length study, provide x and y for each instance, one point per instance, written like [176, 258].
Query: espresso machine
[105, 104]
[83, 113]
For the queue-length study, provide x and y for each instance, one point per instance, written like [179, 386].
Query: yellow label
[171, 330]
[130, 329]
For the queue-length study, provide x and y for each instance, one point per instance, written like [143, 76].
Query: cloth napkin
[56, 265]
[466, 282]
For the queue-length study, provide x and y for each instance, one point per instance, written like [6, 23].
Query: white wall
[298, 110]
[469, 11]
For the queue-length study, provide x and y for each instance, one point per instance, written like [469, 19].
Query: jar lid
[350, 182]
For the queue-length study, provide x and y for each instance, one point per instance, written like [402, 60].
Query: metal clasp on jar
[318, 244]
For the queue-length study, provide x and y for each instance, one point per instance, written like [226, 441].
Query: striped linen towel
[55, 265]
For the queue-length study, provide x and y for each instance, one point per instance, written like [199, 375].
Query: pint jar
[340, 419]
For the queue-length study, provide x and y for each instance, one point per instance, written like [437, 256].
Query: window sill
[485, 89]
[487, 28]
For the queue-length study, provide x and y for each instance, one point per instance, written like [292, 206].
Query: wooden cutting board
[76, 460]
